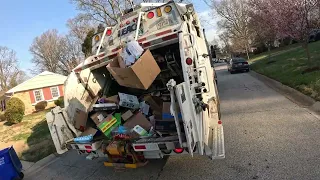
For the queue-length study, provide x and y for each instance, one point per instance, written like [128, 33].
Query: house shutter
[32, 97]
[47, 93]
[61, 90]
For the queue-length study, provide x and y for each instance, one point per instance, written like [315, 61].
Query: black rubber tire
[247, 70]
[21, 176]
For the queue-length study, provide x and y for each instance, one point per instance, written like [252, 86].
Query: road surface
[266, 137]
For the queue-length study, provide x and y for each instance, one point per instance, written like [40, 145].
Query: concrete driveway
[266, 137]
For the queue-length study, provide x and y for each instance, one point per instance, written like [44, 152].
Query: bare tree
[10, 75]
[108, 11]
[55, 53]
[103, 11]
[80, 26]
[235, 20]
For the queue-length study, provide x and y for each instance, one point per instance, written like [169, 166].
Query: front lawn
[31, 138]
[290, 67]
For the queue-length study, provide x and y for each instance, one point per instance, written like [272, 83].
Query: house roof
[45, 79]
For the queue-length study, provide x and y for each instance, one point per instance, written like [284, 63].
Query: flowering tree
[235, 20]
[293, 18]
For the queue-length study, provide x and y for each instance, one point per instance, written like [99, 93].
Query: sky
[23, 20]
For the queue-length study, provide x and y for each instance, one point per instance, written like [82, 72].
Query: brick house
[46, 86]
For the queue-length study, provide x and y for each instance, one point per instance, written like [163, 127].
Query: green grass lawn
[31, 137]
[288, 66]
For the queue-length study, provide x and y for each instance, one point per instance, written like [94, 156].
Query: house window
[55, 92]
[38, 95]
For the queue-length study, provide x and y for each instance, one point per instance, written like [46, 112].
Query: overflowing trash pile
[123, 116]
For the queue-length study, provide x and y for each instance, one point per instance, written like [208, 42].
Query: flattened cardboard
[95, 116]
[89, 131]
[125, 116]
[140, 75]
[80, 120]
[138, 119]
[113, 99]
[154, 102]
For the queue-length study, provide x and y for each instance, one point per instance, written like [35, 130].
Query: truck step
[218, 151]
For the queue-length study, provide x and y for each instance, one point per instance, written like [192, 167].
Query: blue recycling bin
[10, 165]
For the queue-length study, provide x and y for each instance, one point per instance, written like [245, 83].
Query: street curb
[293, 95]
[39, 165]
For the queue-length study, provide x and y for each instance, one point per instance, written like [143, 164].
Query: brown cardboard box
[154, 102]
[112, 99]
[138, 119]
[95, 117]
[125, 116]
[89, 131]
[140, 75]
[80, 119]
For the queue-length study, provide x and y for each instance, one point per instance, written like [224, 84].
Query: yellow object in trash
[115, 148]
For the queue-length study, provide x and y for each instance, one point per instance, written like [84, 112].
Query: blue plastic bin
[10, 165]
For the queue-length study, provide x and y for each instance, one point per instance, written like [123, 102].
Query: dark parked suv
[238, 64]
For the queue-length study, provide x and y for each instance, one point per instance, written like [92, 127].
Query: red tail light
[88, 151]
[88, 147]
[219, 122]
[109, 31]
[128, 22]
[150, 15]
[178, 150]
[189, 61]
[140, 147]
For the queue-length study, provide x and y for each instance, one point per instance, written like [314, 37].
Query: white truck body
[160, 26]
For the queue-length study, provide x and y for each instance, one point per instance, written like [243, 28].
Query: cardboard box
[138, 119]
[80, 120]
[112, 99]
[109, 123]
[128, 114]
[154, 102]
[98, 116]
[89, 131]
[129, 101]
[140, 75]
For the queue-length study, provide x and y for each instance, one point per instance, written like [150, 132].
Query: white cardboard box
[129, 101]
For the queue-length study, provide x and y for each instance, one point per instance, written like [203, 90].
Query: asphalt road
[266, 137]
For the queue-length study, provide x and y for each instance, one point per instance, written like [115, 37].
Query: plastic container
[10, 165]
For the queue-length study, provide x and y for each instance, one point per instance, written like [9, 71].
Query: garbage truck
[147, 92]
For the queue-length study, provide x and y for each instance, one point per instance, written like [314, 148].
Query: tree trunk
[247, 51]
[306, 48]
[269, 52]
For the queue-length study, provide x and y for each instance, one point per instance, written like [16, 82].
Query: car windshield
[238, 60]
